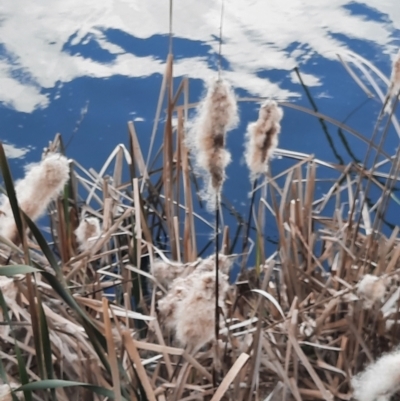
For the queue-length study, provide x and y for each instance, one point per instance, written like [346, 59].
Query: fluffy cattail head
[186, 307]
[166, 273]
[380, 380]
[217, 113]
[371, 290]
[88, 232]
[225, 263]
[394, 85]
[42, 183]
[395, 77]
[262, 138]
[196, 328]
[168, 305]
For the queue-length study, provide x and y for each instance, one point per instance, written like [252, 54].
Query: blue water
[110, 58]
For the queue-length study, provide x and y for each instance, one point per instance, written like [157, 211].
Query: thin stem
[170, 25]
[216, 277]
[220, 40]
[372, 170]
[246, 236]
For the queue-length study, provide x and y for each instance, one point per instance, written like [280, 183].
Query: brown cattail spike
[88, 232]
[42, 183]
[216, 114]
[262, 138]
[394, 85]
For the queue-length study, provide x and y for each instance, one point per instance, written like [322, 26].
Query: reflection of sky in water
[57, 56]
[48, 44]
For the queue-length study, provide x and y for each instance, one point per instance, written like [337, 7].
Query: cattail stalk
[246, 236]
[216, 115]
[42, 183]
[262, 140]
[216, 326]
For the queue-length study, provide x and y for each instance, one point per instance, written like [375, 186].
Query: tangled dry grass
[119, 303]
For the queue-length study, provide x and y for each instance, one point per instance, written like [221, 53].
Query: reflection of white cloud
[21, 96]
[257, 35]
[308, 79]
[12, 152]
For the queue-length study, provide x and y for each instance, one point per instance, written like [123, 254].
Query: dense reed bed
[119, 304]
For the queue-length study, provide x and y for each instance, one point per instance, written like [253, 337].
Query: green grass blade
[46, 346]
[4, 379]
[12, 270]
[8, 182]
[54, 384]
[44, 246]
[23, 375]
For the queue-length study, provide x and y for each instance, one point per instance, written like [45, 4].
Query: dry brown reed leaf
[262, 138]
[217, 113]
[141, 372]
[233, 372]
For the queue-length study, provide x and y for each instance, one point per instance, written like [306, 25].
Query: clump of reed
[130, 315]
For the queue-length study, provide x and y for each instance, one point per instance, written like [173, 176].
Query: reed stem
[217, 218]
[247, 233]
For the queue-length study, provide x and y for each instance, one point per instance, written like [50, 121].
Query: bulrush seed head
[380, 380]
[88, 232]
[195, 324]
[395, 77]
[42, 183]
[186, 307]
[217, 113]
[262, 138]
[168, 305]
[394, 85]
[224, 263]
[166, 273]
[371, 290]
